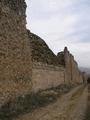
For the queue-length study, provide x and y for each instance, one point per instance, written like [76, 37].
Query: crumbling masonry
[15, 52]
[26, 62]
[50, 70]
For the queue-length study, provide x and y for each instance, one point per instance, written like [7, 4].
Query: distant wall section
[72, 73]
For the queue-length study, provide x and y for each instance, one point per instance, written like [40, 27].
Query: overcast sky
[62, 23]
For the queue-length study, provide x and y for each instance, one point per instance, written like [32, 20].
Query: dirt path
[87, 117]
[71, 106]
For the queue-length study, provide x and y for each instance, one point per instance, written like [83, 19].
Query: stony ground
[87, 116]
[71, 106]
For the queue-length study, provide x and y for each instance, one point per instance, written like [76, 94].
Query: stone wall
[76, 74]
[43, 76]
[41, 51]
[26, 61]
[46, 76]
[73, 74]
[15, 52]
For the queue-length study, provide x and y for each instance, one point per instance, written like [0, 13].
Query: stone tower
[15, 54]
[67, 58]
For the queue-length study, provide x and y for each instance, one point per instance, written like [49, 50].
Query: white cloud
[62, 23]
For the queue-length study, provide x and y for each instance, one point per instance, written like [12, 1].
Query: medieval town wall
[15, 52]
[26, 62]
[73, 74]
[76, 74]
[46, 76]
[50, 70]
